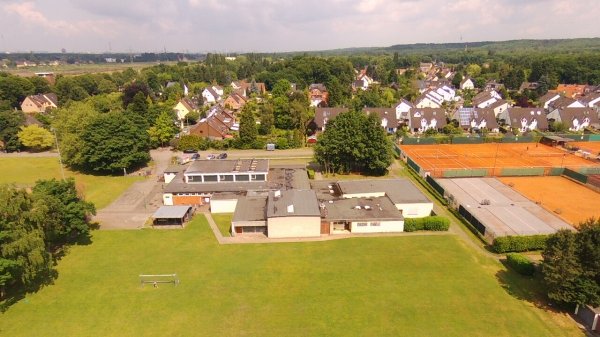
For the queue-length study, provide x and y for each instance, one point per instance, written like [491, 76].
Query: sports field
[591, 147]
[388, 286]
[493, 157]
[565, 198]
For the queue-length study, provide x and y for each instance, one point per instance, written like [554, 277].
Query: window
[195, 179]
[225, 177]
[210, 178]
[361, 224]
[242, 177]
[375, 223]
[257, 177]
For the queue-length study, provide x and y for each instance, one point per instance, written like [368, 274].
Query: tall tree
[248, 130]
[163, 130]
[267, 119]
[67, 215]
[23, 256]
[10, 125]
[112, 143]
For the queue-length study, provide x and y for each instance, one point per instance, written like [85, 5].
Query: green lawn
[223, 221]
[390, 286]
[24, 171]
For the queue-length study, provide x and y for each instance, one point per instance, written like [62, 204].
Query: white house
[486, 98]
[467, 84]
[293, 213]
[402, 109]
[212, 94]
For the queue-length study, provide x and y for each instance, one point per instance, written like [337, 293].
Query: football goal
[155, 280]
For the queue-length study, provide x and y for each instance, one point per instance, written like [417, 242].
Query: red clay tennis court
[591, 147]
[492, 159]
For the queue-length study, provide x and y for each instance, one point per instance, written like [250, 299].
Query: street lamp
[62, 171]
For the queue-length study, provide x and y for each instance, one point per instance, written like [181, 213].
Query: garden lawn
[25, 171]
[388, 286]
[223, 221]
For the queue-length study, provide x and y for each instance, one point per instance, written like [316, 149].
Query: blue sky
[282, 25]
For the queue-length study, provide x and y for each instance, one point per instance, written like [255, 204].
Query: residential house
[548, 98]
[324, 115]
[485, 99]
[402, 109]
[423, 119]
[389, 122]
[319, 96]
[39, 103]
[425, 67]
[499, 106]
[571, 90]
[475, 119]
[363, 83]
[244, 88]
[493, 85]
[563, 102]
[591, 100]
[429, 99]
[184, 107]
[528, 86]
[525, 119]
[235, 101]
[576, 119]
[212, 94]
[48, 76]
[467, 84]
[217, 124]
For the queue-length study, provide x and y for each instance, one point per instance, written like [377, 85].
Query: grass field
[393, 286]
[25, 171]
[491, 156]
[223, 221]
[79, 69]
[565, 198]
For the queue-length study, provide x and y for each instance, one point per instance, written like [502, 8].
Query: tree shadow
[14, 294]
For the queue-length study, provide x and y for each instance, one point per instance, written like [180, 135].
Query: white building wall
[168, 199]
[169, 177]
[364, 195]
[415, 210]
[381, 227]
[294, 227]
[223, 205]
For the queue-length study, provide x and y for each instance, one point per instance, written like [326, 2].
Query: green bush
[505, 244]
[311, 173]
[428, 223]
[520, 264]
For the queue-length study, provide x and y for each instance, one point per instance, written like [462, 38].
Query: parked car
[190, 151]
[222, 156]
[195, 156]
[210, 156]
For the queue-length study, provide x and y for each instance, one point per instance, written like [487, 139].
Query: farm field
[79, 69]
[25, 171]
[491, 157]
[573, 201]
[392, 286]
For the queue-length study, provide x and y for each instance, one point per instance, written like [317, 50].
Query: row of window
[364, 224]
[226, 177]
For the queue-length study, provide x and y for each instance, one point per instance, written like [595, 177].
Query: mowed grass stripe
[393, 286]
[25, 171]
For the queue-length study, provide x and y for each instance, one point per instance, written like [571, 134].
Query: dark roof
[568, 115]
[548, 96]
[473, 118]
[398, 190]
[417, 114]
[405, 102]
[229, 166]
[517, 115]
[319, 86]
[171, 212]
[384, 113]
[250, 209]
[585, 100]
[178, 185]
[289, 178]
[175, 168]
[41, 99]
[292, 203]
[482, 97]
[377, 208]
[189, 104]
[560, 103]
[326, 114]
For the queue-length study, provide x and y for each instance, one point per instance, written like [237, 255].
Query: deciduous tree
[36, 137]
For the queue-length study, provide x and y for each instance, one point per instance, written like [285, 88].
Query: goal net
[157, 279]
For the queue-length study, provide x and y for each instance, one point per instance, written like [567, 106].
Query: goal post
[156, 279]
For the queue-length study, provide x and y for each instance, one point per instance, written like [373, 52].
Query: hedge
[428, 223]
[311, 174]
[520, 264]
[505, 244]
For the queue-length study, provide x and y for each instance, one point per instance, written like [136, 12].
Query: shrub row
[520, 264]
[428, 223]
[505, 244]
